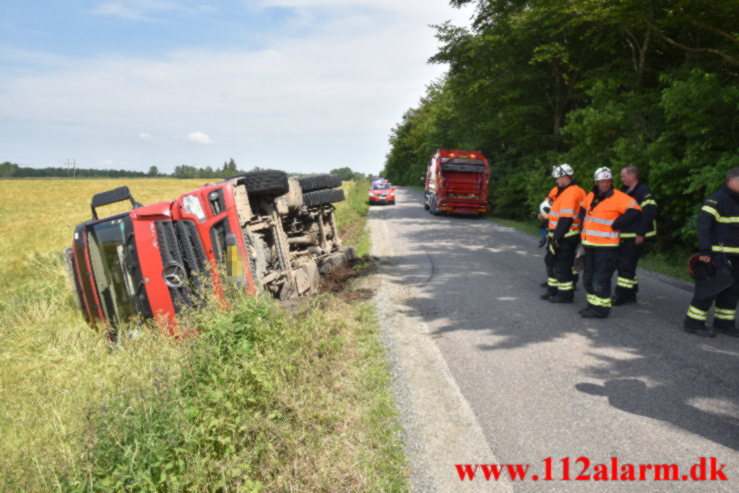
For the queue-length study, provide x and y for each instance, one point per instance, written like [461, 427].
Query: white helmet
[603, 173]
[545, 207]
[563, 169]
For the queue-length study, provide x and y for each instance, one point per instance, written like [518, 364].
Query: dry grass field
[51, 363]
[60, 382]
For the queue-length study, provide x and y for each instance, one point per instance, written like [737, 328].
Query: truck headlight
[192, 205]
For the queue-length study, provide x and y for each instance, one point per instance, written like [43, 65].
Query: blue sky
[300, 85]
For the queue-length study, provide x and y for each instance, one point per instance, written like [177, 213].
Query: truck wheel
[318, 182]
[263, 182]
[321, 197]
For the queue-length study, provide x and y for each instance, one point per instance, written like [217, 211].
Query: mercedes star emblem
[174, 275]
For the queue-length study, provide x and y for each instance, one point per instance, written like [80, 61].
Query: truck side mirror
[119, 194]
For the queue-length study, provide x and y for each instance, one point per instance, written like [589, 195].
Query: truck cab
[456, 182]
[156, 260]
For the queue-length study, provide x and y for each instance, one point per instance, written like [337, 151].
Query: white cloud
[146, 9]
[198, 137]
[325, 100]
[115, 9]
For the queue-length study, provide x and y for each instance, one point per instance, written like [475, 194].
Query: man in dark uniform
[634, 237]
[718, 236]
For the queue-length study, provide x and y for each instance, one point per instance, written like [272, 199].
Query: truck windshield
[112, 253]
[381, 186]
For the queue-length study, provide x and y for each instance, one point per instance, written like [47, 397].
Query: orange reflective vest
[566, 203]
[597, 230]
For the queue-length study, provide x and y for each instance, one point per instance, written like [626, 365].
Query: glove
[553, 245]
[542, 242]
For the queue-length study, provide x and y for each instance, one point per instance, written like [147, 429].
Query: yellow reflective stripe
[648, 202]
[696, 314]
[628, 235]
[725, 249]
[626, 283]
[651, 234]
[572, 232]
[590, 243]
[724, 314]
[697, 310]
[711, 210]
[601, 234]
[597, 301]
[719, 217]
[565, 286]
[598, 220]
[552, 282]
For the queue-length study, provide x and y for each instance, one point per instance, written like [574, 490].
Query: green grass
[262, 399]
[351, 218]
[673, 264]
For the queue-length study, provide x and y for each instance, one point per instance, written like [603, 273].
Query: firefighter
[606, 211]
[718, 244]
[634, 237]
[563, 235]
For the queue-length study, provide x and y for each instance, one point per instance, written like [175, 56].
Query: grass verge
[263, 399]
[351, 216]
[671, 264]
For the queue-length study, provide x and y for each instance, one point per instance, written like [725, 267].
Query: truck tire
[321, 197]
[318, 182]
[263, 182]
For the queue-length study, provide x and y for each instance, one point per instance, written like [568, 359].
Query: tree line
[532, 83]
[229, 168]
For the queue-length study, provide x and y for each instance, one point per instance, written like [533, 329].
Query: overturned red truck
[457, 182]
[255, 229]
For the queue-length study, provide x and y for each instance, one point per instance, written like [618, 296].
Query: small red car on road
[381, 192]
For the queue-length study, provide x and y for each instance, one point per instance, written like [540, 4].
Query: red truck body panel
[456, 182]
[127, 270]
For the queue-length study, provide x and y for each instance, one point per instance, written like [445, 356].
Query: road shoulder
[439, 426]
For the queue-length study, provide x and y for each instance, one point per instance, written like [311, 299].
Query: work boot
[727, 328]
[544, 284]
[561, 299]
[592, 313]
[545, 296]
[622, 299]
[583, 309]
[697, 328]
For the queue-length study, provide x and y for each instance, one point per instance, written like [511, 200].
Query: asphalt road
[543, 382]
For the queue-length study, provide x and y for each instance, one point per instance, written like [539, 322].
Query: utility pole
[71, 167]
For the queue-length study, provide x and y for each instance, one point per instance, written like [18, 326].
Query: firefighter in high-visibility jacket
[563, 235]
[606, 211]
[718, 235]
[634, 237]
